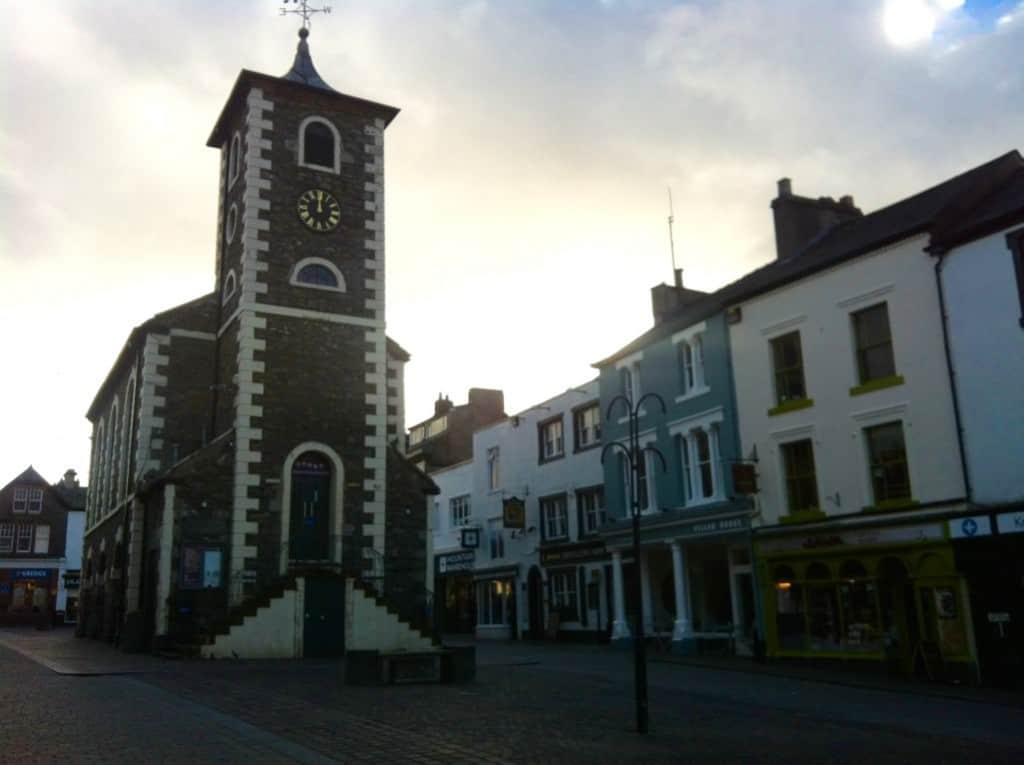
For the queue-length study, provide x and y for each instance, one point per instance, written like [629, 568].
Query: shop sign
[932, 532]
[579, 553]
[31, 573]
[72, 579]
[973, 526]
[1011, 523]
[470, 538]
[457, 561]
[714, 526]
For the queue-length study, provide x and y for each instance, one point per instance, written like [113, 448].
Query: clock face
[318, 210]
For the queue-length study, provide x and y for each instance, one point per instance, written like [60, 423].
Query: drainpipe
[940, 253]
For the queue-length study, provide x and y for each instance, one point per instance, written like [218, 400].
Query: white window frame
[689, 346]
[437, 426]
[580, 426]
[494, 468]
[630, 366]
[460, 511]
[293, 279]
[416, 435]
[20, 536]
[20, 502]
[709, 422]
[231, 224]
[234, 159]
[336, 167]
[6, 536]
[230, 282]
[565, 592]
[496, 538]
[593, 512]
[552, 442]
[41, 544]
[559, 529]
[35, 501]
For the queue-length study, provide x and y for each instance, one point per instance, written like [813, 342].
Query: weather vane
[303, 10]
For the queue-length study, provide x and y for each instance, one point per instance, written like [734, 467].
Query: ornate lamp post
[634, 454]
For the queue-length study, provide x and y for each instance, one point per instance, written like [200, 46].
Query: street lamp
[635, 454]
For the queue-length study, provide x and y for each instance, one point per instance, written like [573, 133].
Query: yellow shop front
[884, 594]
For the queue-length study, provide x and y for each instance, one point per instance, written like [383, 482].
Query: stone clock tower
[302, 359]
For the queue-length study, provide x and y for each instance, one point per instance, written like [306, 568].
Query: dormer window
[234, 159]
[318, 274]
[319, 145]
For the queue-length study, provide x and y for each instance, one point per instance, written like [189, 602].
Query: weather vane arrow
[303, 10]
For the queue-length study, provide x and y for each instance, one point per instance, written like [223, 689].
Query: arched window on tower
[318, 274]
[234, 159]
[319, 145]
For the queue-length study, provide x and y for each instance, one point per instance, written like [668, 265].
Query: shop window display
[822, 610]
[789, 610]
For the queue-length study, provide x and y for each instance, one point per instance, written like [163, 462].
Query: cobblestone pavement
[541, 704]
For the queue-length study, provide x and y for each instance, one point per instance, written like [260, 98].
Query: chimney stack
[801, 220]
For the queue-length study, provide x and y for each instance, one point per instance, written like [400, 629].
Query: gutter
[940, 253]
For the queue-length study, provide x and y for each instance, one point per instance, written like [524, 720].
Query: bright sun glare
[908, 22]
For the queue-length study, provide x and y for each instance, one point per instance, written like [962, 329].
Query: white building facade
[517, 527]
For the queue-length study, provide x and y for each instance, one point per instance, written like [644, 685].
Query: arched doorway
[535, 596]
[310, 512]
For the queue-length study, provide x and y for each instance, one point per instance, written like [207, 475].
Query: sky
[527, 174]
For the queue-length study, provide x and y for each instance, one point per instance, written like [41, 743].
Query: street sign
[1011, 523]
[970, 527]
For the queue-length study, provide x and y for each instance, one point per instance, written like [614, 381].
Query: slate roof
[984, 198]
[73, 496]
[29, 475]
[302, 69]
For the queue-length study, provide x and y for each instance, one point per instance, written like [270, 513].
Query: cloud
[526, 174]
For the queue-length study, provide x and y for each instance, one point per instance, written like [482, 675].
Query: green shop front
[888, 595]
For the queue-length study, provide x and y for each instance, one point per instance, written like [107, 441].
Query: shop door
[309, 523]
[744, 584]
[323, 633]
[535, 596]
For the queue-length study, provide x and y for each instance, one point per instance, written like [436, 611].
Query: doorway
[535, 596]
[309, 524]
[323, 633]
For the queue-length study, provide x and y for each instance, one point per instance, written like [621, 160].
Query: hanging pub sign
[471, 538]
[744, 478]
[513, 513]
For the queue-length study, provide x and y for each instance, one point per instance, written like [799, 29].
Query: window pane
[789, 372]
[888, 461]
[707, 484]
[874, 343]
[318, 145]
[316, 273]
[798, 462]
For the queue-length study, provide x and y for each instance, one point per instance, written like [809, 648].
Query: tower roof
[302, 67]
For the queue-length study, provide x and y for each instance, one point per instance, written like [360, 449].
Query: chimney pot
[785, 187]
[846, 200]
[679, 278]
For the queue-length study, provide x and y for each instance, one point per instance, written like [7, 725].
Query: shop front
[696, 580]
[496, 602]
[455, 592]
[578, 591]
[28, 595]
[990, 554]
[889, 595]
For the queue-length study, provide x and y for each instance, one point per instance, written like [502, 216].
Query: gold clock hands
[319, 201]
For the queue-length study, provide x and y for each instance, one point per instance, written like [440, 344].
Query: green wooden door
[324, 622]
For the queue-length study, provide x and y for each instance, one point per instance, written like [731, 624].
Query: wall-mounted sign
[744, 478]
[31, 573]
[449, 563]
[72, 579]
[714, 526]
[513, 513]
[973, 526]
[576, 553]
[1011, 523]
[200, 567]
[470, 538]
[930, 532]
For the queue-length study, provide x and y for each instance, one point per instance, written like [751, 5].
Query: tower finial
[305, 11]
[302, 68]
